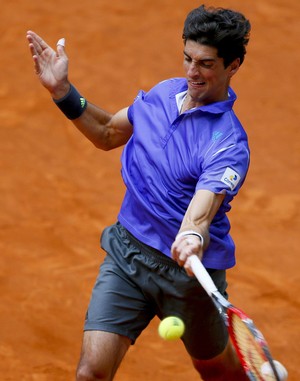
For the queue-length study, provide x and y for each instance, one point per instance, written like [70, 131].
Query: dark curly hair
[226, 30]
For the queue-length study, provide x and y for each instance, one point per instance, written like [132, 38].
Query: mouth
[196, 83]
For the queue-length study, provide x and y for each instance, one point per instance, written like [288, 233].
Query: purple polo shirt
[170, 156]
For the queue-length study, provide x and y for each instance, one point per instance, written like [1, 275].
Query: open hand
[51, 66]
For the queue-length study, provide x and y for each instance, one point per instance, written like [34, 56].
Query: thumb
[61, 46]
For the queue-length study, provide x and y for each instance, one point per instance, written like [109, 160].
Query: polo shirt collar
[213, 108]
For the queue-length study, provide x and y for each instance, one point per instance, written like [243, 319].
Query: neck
[188, 103]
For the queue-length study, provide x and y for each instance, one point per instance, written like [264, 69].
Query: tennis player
[185, 158]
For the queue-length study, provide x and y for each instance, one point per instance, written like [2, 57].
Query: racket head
[250, 345]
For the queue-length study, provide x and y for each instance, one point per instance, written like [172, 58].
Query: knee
[218, 371]
[209, 370]
[86, 373]
[224, 367]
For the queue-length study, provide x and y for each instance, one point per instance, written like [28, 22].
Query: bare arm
[198, 218]
[104, 130]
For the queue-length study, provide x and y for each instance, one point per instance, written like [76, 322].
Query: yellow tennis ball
[171, 328]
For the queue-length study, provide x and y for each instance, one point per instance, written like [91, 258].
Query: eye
[208, 64]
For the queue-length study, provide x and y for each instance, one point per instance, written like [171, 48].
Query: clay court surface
[58, 192]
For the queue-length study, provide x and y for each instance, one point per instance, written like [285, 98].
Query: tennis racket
[249, 343]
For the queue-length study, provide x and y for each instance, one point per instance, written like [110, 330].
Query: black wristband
[72, 104]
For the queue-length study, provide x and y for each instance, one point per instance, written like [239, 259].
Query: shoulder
[170, 85]
[161, 93]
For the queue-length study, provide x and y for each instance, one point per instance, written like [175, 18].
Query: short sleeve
[225, 169]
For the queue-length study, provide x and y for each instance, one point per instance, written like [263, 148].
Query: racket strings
[249, 348]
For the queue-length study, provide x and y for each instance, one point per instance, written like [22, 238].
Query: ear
[234, 67]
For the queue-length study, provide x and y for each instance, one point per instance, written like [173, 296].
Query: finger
[176, 249]
[39, 44]
[180, 248]
[61, 43]
[36, 63]
[35, 58]
[39, 41]
[188, 268]
[34, 47]
[35, 54]
[185, 251]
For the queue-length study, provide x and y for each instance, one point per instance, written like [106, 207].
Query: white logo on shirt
[230, 178]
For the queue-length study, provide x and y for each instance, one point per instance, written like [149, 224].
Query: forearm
[94, 125]
[90, 120]
[104, 130]
[200, 213]
[193, 236]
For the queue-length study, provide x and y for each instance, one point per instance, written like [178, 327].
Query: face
[208, 79]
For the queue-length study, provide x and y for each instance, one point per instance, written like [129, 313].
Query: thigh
[118, 303]
[101, 354]
[168, 290]
[205, 335]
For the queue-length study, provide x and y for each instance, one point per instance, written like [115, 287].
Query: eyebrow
[208, 59]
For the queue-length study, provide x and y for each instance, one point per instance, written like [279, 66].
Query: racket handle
[202, 275]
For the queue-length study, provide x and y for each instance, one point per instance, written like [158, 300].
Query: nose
[192, 70]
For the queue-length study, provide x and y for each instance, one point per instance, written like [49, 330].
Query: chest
[172, 146]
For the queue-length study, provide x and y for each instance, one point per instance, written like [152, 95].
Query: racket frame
[227, 312]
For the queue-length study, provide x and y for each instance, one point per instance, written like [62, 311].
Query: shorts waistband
[151, 251]
[154, 253]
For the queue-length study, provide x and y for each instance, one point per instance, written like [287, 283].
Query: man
[186, 156]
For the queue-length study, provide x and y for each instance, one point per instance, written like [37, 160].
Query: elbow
[102, 142]
[102, 146]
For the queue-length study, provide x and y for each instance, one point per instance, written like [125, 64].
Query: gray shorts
[136, 283]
